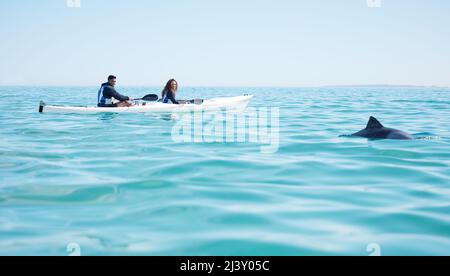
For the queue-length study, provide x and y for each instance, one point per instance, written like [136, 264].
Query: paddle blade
[150, 98]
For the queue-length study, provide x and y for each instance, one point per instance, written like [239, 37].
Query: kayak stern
[41, 107]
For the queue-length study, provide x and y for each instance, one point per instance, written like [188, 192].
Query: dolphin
[375, 130]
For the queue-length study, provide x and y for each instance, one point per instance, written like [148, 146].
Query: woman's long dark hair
[167, 87]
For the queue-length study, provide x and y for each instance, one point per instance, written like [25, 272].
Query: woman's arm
[171, 97]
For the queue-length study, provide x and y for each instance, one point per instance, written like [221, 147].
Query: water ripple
[118, 184]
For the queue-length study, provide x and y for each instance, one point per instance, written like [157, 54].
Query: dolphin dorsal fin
[373, 123]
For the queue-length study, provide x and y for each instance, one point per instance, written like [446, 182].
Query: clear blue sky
[225, 42]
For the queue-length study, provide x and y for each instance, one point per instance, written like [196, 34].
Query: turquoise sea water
[118, 184]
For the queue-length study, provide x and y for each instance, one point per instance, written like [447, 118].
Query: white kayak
[216, 104]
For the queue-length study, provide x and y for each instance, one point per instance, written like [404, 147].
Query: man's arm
[116, 95]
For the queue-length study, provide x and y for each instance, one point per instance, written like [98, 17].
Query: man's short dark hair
[111, 77]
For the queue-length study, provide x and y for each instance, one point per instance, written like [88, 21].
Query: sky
[276, 43]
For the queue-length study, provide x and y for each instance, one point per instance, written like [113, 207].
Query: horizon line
[236, 86]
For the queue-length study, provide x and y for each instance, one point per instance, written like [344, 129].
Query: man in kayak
[107, 93]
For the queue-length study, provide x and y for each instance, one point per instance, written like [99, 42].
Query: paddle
[148, 98]
[197, 101]
[194, 101]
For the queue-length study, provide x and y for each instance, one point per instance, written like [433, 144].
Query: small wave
[426, 136]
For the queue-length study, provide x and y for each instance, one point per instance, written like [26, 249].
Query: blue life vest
[101, 98]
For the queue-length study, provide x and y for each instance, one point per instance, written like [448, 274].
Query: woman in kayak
[170, 92]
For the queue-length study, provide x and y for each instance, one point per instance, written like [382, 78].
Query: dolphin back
[375, 130]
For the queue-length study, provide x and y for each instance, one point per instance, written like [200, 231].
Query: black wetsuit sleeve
[172, 98]
[111, 92]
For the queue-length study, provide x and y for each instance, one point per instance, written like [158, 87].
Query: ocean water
[120, 185]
